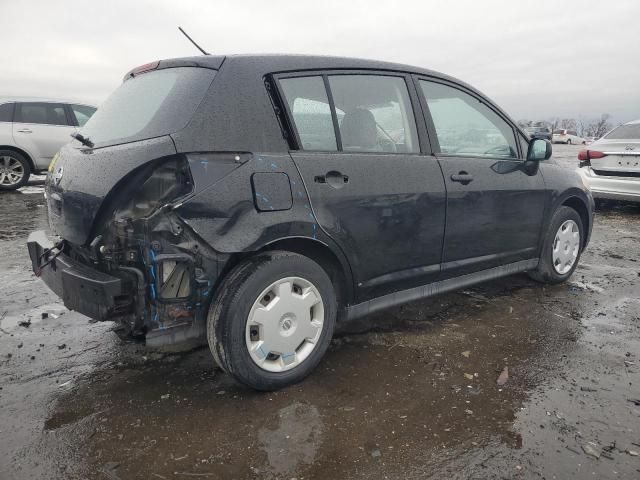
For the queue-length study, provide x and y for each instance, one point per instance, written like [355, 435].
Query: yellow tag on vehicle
[53, 162]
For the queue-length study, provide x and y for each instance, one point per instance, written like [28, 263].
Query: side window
[42, 113]
[6, 112]
[374, 113]
[465, 126]
[309, 105]
[82, 113]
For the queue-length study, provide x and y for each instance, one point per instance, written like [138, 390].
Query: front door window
[465, 126]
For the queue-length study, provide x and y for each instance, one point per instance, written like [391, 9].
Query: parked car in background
[570, 137]
[539, 132]
[611, 165]
[31, 133]
[254, 200]
[590, 140]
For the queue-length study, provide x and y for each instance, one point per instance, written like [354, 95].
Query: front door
[41, 129]
[370, 187]
[495, 206]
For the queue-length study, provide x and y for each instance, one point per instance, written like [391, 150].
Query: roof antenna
[191, 40]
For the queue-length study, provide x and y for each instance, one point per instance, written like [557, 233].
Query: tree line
[584, 128]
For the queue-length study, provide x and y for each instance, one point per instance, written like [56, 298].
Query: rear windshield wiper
[85, 141]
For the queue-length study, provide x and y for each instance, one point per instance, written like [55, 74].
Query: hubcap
[284, 324]
[11, 171]
[566, 247]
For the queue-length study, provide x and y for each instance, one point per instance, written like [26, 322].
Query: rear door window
[41, 113]
[374, 113]
[82, 114]
[308, 104]
[150, 105]
[465, 126]
[6, 112]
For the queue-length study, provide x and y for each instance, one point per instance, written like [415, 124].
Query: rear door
[41, 128]
[495, 206]
[371, 187]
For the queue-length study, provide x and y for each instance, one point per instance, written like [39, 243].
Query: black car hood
[81, 179]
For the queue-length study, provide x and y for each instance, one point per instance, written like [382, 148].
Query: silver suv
[31, 132]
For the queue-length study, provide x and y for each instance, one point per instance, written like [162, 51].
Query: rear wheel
[569, 142]
[272, 320]
[562, 247]
[14, 170]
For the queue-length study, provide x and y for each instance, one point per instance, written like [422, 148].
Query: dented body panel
[84, 181]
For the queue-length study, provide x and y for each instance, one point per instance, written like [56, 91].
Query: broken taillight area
[168, 266]
[166, 182]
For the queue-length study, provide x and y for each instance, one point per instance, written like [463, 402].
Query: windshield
[630, 131]
[149, 105]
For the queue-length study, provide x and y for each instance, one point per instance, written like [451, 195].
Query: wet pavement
[408, 393]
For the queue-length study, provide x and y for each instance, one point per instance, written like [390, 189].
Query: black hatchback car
[255, 200]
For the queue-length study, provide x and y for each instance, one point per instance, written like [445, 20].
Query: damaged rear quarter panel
[226, 216]
[89, 176]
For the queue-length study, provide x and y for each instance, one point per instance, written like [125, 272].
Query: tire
[10, 163]
[546, 272]
[234, 337]
[569, 142]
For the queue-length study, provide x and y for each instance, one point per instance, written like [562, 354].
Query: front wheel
[14, 170]
[562, 247]
[569, 142]
[272, 320]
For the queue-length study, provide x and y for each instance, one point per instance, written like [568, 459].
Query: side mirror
[539, 149]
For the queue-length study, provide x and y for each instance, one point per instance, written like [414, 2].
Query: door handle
[462, 177]
[24, 130]
[333, 179]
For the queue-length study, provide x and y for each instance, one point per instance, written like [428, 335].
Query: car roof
[310, 62]
[276, 63]
[8, 99]
[633, 122]
[263, 64]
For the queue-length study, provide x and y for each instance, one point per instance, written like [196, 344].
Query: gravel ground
[409, 393]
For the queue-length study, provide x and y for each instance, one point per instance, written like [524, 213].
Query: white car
[611, 165]
[567, 136]
[31, 133]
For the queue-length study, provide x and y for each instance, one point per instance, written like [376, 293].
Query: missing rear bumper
[82, 288]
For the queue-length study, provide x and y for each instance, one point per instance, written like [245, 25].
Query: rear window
[625, 132]
[82, 113]
[149, 105]
[6, 112]
[559, 132]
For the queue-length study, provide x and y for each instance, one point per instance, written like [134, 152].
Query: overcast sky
[537, 59]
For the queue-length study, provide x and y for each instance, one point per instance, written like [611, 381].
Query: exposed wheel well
[319, 253]
[21, 152]
[316, 251]
[579, 206]
[324, 257]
